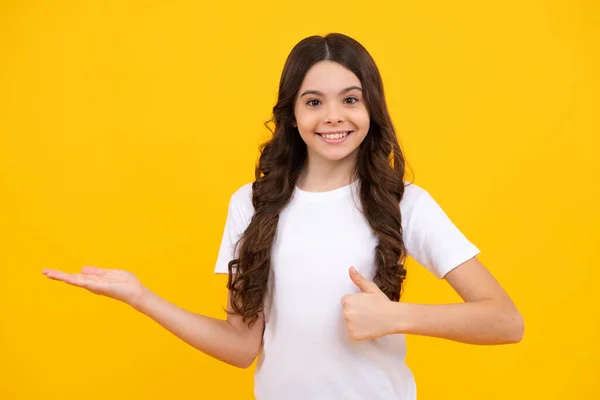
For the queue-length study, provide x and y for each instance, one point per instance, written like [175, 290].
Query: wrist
[141, 300]
[402, 317]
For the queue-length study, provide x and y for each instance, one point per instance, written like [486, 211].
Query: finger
[93, 271]
[56, 275]
[361, 282]
[45, 271]
[346, 299]
[51, 273]
[71, 279]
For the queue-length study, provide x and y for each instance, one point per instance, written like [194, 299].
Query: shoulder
[243, 192]
[242, 198]
[418, 204]
[413, 194]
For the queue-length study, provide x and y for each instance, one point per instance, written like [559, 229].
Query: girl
[329, 199]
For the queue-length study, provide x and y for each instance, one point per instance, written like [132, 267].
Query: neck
[321, 175]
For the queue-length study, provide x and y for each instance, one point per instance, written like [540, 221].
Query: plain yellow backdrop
[126, 126]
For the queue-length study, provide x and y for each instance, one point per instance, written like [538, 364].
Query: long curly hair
[380, 167]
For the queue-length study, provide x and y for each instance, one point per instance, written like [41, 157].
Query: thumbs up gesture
[368, 314]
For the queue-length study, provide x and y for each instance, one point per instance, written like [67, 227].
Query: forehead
[329, 76]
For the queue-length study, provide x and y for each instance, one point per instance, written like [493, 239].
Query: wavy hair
[380, 167]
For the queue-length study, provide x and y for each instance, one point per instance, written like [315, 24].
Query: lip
[332, 132]
[334, 141]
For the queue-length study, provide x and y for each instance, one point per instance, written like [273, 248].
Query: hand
[368, 314]
[114, 283]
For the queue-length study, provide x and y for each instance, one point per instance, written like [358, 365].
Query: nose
[333, 114]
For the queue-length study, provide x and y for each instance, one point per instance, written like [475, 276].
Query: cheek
[307, 120]
[304, 126]
[307, 125]
[363, 120]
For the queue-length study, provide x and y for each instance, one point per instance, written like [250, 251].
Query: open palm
[117, 284]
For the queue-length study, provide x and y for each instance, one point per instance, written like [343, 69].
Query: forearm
[214, 337]
[478, 322]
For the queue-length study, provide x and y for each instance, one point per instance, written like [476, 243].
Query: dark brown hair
[380, 168]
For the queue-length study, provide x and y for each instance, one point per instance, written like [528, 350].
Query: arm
[230, 340]
[487, 316]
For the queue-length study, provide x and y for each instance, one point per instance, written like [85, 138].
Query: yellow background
[126, 126]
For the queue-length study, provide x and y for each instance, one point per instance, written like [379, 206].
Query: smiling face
[331, 114]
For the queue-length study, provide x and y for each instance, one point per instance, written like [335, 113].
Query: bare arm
[487, 316]
[230, 340]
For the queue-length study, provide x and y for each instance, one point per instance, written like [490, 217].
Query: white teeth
[335, 135]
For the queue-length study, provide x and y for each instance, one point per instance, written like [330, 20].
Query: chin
[334, 156]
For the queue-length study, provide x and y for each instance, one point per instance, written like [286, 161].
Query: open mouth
[334, 137]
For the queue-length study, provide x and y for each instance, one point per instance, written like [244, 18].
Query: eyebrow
[316, 92]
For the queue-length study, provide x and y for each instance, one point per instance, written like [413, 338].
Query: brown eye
[310, 103]
[355, 100]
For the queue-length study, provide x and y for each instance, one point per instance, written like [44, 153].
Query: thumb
[363, 283]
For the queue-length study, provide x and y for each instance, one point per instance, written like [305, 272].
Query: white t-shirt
[306, 352]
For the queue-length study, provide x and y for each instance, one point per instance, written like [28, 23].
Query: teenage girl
[315, 249]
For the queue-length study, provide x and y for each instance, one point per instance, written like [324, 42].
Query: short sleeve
[433, 240]
[239, 213]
